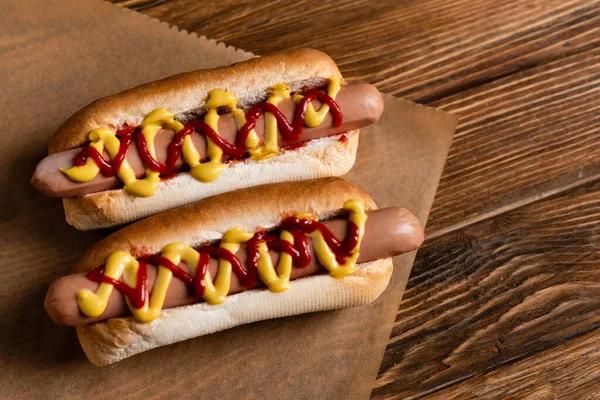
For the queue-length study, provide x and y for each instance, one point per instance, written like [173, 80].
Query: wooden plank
[495, 292]
[568, 371]
[420, 50]
[520, 138]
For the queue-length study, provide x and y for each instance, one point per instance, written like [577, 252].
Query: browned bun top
[248, 80]
[251, 209]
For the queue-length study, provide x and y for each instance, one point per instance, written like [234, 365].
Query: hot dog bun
[185, 93]
[261, 207]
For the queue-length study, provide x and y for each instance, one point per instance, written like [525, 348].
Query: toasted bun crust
[260, 207]
[116, 339]
[248, 80]
[319, 158]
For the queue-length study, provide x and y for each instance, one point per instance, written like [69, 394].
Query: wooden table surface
[504, 298]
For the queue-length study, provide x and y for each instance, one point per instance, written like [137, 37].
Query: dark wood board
[496, 292]
[521, 138]
[560, 372]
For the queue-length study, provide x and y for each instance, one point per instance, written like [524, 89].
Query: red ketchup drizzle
[339, 248]
[137, 297]
[290, 131]
[248, 276]
[108, 168]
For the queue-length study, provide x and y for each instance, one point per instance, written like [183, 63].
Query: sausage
[388, 232]
[361, 105]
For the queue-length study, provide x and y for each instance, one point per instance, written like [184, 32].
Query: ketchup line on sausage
[329, 250]
[299, 251]
[108, 168]
[361, 105]
[388, 232]
[338, 257]
[289, 130]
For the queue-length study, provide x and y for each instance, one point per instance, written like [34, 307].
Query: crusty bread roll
[184, 94]
[206, 221]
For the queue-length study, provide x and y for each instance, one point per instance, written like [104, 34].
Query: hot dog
[388, 232]
[302, 247]
[360, 103]
[283, 117]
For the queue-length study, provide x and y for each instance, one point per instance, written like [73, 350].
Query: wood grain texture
[495, 292]
[520, 138]
[562, 372]
[419, 50]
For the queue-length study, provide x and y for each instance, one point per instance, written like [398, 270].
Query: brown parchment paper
[57, 56]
